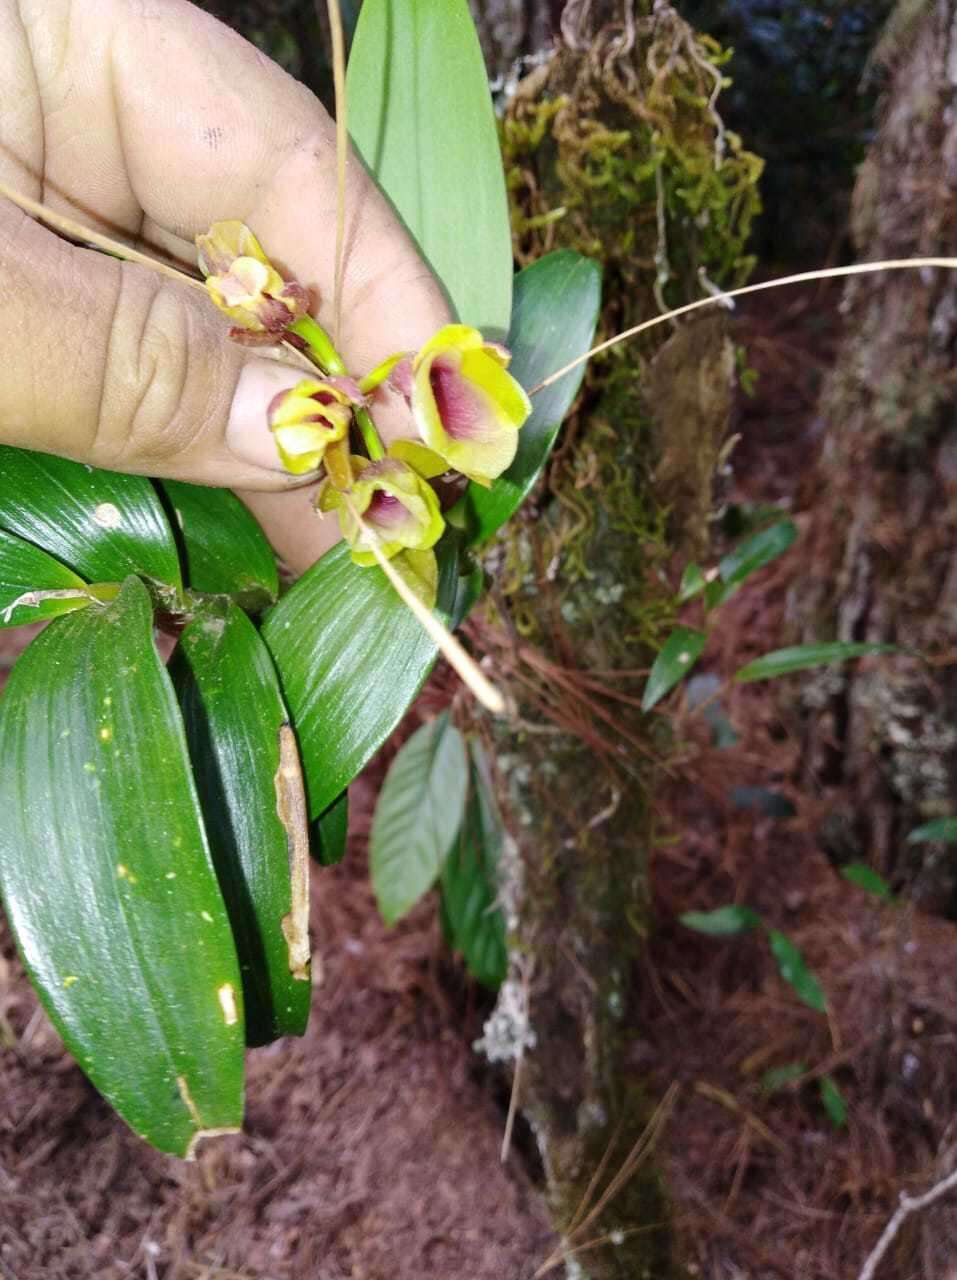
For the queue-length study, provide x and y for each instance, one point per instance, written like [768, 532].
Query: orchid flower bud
[245, 285]
[468, 409]
[394, 502]
[309, 417]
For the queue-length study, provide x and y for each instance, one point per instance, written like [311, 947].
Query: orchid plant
[158, 821]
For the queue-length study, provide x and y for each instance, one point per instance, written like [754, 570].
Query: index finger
[156, 120]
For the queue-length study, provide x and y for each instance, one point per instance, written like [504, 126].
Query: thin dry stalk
[908, 1205]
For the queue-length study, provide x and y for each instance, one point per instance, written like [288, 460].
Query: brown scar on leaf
[201, 1134]
[294, 816]
[33, 600]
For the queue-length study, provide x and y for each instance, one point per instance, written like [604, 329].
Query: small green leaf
[473, 920]
[678, 655]
[860, 874]
[803, 657]
[33, 585]
[557, 301]
[250, 787]
[944, 829]
[693, 582]
[420, 115]
[224, 550]
[107, 878]
[757, 551]
[101, 524]
[777, 1077]
[331, 830]
[795, 972]
[833, 1101]
[351, 658]
[418, 812]
[722, 922]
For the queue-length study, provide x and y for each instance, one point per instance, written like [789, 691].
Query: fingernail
[247, 430]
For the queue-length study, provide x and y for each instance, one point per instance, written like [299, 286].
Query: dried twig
[907, 1206]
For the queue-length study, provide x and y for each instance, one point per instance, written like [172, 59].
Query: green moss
[632, 166]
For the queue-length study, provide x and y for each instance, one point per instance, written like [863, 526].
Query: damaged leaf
[250, 786]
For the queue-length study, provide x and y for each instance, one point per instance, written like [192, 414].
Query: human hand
[149, 120]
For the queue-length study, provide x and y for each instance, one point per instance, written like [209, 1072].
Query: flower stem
[328, 358]
[370, 436]
[319, 344]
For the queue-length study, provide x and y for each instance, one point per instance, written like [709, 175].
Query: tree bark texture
[603, 145]
[883, 548]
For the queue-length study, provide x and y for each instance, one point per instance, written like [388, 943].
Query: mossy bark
[614, 148]
[882, 548]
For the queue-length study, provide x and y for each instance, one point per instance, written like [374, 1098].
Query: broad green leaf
[833, 1101]
[351, 658]
[330, 832]
[678, 655]
[795, 972]
[418, 812]
[224, 550]
[557, 301]
[777, 1077]
[101, 524]
[421, 118]
[944, 829]
[693, 582]
[860, 874]
[472, 917]
[757, 551]
[33, 585]
[803, 657]
[250, 787]
[107, 878]
[722, 922]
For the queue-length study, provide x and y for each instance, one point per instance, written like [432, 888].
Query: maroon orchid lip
[385, 511]
[459, 409]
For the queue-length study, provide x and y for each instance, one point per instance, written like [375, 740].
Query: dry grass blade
[342, 145]
[466, 667]
[582, 1219]
[77, 231]
[722, 299]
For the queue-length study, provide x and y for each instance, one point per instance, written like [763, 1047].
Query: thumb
[111, 364]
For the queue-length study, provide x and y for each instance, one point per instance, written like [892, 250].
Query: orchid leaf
[247, 772]
[417, 815]
[351, 658]
[224, 550]
[34, 586]
[557, 301]
[102, 525]
[421, 118]
[107, 878]
[331, 831]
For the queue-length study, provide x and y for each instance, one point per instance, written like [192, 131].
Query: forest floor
[371, 1150]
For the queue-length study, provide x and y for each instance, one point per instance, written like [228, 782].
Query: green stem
[319, 344]
[370, 436]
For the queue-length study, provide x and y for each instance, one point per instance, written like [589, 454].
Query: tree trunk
[603, 144]
[883, 543]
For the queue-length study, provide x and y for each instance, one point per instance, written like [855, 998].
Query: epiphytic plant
[157, 822]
